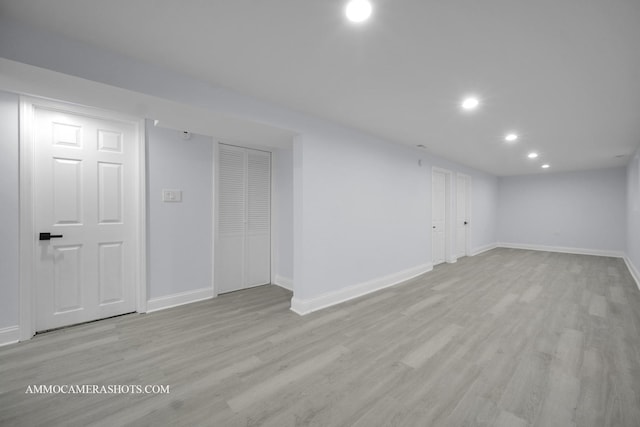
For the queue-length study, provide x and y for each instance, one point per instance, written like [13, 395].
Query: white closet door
[243, 253]
[231, 218]
[438, 217]
[258, 233]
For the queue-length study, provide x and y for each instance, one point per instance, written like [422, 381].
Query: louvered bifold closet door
[243, 252]
[258, 247]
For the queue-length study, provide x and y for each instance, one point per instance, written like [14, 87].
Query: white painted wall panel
[180, 234]
[9, 190]
[583, 210]
[282, 203]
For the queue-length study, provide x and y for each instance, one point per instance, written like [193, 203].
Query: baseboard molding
[635, 273]
[283, 282]
[306, 306]
[562, 249]
[485, 248]
[10, 335]
[181, 298]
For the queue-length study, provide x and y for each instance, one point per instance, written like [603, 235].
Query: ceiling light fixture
[546, 166]
[358, 10]
[470, 103]
[532, 155]
[511, 137]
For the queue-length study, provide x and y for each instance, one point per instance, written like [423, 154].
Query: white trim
[10, 335]
[635, 273]
[214, 215]
[306, 306]
[467, 243]
[482, 249]
[273, 231]
[562, 249]
[283, 282]
[27, 234]
[216, 204]
[28, 243]
[181, 298]
[141, 294]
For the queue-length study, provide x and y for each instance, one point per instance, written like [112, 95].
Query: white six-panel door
[462, 214]
[438, 216]
[85, 192]
[243, 250]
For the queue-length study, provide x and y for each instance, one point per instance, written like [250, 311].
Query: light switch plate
[172, 196]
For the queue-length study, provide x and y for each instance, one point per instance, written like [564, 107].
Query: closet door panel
[258, 248]
[232, 210]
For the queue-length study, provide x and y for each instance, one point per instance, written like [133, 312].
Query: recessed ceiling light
[511, 137]
[532, 155]
[546, 166]
[470, 103]
[358, 10]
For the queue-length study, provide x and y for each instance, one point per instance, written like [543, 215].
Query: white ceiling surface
[565, 74]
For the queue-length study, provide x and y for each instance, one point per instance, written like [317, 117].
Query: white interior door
[243, 253]
[85, 195]
[438, 216]
[462, 215]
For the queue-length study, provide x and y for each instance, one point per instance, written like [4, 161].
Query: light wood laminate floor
[507, 338]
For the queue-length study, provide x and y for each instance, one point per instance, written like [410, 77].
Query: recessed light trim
[470, 103]
[358, 10]
[511, 137]
[546, 166]
[532, 155]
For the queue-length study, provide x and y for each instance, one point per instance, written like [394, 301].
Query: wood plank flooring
[507, 338]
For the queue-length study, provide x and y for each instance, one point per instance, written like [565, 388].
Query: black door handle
[465, 223]
[49, 236]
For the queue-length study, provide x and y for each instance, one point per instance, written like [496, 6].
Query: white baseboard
[485, 248]
[283, 282]
[181, 298]
[633, 270]
[306, 306]
[10, 335]
[562, 249]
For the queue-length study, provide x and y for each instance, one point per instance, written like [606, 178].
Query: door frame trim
[467, 243]
[27, 232]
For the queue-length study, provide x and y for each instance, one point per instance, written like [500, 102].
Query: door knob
[49, 236]
[465, 223]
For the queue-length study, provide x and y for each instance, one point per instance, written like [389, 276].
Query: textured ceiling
[564, 74]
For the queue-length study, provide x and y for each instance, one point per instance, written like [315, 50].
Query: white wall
[9, 191]
[633, 214]
[282, 210]
[360, 204]
[582, 210]
[365, 212]
[179, 234]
